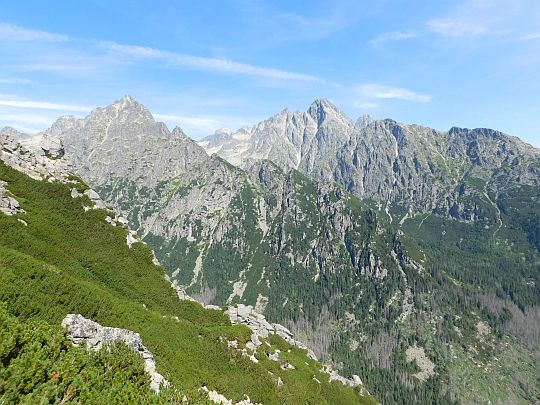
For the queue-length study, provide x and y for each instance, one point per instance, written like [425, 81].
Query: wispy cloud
[390, 37]
[378, 91]
[314, 27]
[368, 105]
[457, 27]
[273, 25]
[37, 120]
[41, 105]
[200, 126]
[530, 37]
[15, 80]
[87, 56]
[10, 32]
[207, 64]
[476, 18]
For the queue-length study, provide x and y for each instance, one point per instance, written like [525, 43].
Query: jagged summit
[125, 102]
[321, 108]
[11, 132]
[128, 105]
[127, 99]
[364, 120]
[322, 103]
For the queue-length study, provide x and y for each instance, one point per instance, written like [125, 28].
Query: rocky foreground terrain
[404, 255]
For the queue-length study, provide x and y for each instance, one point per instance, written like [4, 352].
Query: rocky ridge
[261, 329]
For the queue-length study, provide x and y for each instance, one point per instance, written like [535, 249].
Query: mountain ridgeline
[408, 256]
[414, 166]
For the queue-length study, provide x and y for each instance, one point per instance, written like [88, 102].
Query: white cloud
[271, 24]
[390, 37]
[530, 37]
[36, 119]
[457, 27]
[303, 27]
[200, 126]
[67, 68]
[14, 80]
[10, 32]
[476, 18]
[368, 105]
[41, 105]
[84, 57]
[208, 64]
[378, 91]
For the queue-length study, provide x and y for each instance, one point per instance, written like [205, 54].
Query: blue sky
[204, 65]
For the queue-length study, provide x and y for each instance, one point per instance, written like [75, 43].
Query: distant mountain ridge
[419, 167]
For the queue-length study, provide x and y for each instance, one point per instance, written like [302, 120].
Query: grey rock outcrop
[35, 164]
[261, 328]
[98, 203]
[218, 398]
[82, 330]
[8, 205]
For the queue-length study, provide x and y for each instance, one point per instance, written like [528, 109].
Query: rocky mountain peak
[222, 133]
[322, 108]
[12, 133]
[127, 100]
[127, 108]
[364, 121]
[178, 133]
[62, 125]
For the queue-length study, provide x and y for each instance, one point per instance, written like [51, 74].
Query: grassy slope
[67, 260]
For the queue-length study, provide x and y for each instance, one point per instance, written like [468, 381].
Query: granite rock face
[82, 330]
[136, 164]
[419, 167]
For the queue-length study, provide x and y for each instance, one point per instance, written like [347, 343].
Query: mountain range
[402, 254]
